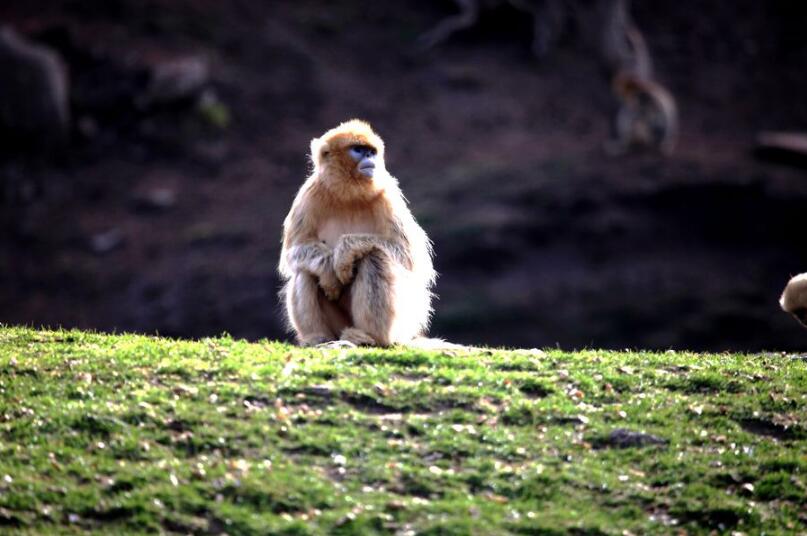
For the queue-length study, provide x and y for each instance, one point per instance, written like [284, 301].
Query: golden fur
[356, 263]
[794, 298]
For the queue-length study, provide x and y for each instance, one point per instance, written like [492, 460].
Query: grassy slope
[116, 433]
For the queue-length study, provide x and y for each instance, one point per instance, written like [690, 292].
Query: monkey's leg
[621, 141]
[372, 304]
[337, 314]
[304, 303]
[467, 17]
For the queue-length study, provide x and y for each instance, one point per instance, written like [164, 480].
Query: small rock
[155, 199]
[177, 80]
[107, 241]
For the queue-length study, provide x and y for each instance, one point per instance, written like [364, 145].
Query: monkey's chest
[332, 229]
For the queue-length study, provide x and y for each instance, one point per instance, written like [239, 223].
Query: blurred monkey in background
[794, 298]
[646, 114]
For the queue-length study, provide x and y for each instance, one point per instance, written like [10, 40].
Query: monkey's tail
[429, 343]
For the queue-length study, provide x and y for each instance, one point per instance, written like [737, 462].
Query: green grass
[126, 433]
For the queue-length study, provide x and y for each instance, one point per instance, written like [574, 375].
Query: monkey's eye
[363, 149]
[360, 152]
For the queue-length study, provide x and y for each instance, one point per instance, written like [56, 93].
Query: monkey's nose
[367, 168]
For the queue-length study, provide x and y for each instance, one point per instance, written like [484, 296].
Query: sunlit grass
[126, 433]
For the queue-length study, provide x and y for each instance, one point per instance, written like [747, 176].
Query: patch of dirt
[772, 429]
[540, 238]
[623, 439]
[367, 404]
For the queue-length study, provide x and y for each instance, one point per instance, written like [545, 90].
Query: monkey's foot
[314, 340]
[333, 345]
[358, 337]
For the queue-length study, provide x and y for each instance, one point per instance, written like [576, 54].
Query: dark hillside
[164, 214]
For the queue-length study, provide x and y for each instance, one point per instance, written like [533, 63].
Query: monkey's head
[794, 298]
[350, 158]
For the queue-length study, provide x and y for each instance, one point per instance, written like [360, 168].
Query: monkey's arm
[315, 258]
[353, 247]
[303, 252]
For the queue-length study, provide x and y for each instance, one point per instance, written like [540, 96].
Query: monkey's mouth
[367, 169]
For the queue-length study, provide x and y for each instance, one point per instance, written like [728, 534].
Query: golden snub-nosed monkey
[356, 264]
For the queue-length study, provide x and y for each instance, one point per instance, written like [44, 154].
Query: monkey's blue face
[364, 156]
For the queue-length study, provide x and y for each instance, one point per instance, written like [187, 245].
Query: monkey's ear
[319, 148]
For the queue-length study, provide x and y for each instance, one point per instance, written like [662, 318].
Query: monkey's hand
[351, 248]
[312, 257]
[330, 284]
[316, 258]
